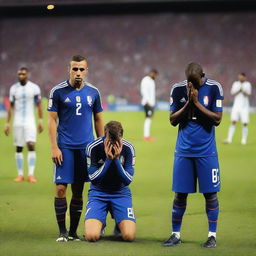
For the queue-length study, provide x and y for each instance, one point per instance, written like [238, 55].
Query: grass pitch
[27, 219]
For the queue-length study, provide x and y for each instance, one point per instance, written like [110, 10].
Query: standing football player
[72, 104]
[23, 96]
[110, 160]
[196, 105]
[241, 90]
[148, 101]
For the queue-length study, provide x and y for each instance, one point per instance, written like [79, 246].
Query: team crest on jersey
[78, 99]
[89, 100]
[206, 100]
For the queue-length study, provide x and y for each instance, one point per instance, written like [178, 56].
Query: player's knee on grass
[61, 190]
[127, 228]
[92, 230]
[91, 236]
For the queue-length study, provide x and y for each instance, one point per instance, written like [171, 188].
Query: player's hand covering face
[118, 145]
[113, 149]
[77, 72]
[108, 147]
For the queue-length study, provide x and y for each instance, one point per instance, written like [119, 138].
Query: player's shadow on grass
[137, 240]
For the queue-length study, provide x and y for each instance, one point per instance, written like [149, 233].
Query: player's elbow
[217, 123]
[173, 122]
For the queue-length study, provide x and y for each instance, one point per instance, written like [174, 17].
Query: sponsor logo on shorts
[216, 185]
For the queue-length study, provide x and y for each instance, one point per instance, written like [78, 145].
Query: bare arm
[178, 116]
[40, 116]
[8, 120]
[215, 117]
[52, 129]
[98, 124]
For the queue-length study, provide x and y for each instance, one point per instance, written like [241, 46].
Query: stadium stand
[122, 48]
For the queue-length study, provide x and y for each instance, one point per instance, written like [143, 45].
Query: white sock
[31, 162]
[177, 234]
[19, 162]
[231, 132]
[212, 234]
[244, 134]
[147, 125]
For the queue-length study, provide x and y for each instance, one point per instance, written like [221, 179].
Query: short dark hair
[23, 68]
[114, 130]
[194, 69]
[194, 72]
[153, 70]
[78, 58]
[243, 74]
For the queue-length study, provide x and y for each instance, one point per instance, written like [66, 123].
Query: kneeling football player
[110, 166]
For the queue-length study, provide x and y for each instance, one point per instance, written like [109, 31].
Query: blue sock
[212, 211]
[179, 207]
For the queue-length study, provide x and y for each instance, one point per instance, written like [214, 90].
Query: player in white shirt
[23, 96]
[241, 90]
[148, 93]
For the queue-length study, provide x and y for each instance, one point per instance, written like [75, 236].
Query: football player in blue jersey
[196, 105]
[110, 162]
[72, 106]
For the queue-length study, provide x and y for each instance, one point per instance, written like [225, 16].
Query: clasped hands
[192, 93]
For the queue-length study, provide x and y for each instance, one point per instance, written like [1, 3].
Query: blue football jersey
[75, 109]
[196, 135]
[110, 176]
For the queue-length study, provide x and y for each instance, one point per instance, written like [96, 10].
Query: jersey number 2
[78, 107]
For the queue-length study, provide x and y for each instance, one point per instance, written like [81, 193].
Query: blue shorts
[120, 207]
[73, 168]
[187, 170]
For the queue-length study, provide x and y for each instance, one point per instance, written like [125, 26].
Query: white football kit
[147, 89]
[24, 98]
[241, 106]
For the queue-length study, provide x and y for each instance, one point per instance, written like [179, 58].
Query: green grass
[27, 220]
